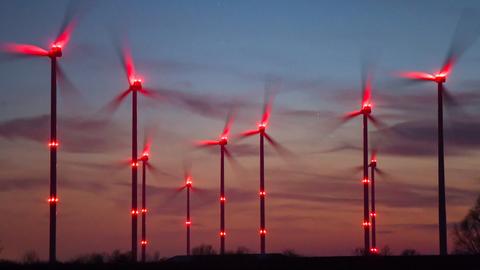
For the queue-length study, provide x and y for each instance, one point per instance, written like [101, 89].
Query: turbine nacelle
[223, 140]
[188, 182]
[440, 77]
[144, 157]
[136, 84]
[55, 50]
[373, 163]
[367, 108]
[262, 127]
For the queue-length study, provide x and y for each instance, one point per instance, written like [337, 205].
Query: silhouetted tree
[290, 253]
[30, 257]
[203, 250]
[409, 252]
[467, 233]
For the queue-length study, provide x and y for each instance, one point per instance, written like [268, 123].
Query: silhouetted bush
[203, 250]
[359, 252]
[30, 257]
[410, 252]
[290, 253]
[242, 250]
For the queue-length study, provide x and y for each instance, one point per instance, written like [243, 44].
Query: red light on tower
[188, 183]
[144, 242]
[222, 199]
[188, 223]
[223, 234]
[53, 144]
[366, 224]
[263, 231]
[374, 250]
[52, 200]
[262, 193]
[134, 164]
[366, 181]
[134, 212]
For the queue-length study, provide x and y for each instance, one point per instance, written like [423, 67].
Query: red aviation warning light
[144, 242]
[223, 234]
[53, 144]
[222, 199]
[134, 212]
[263, 231]
[262, 193]
[52, 200]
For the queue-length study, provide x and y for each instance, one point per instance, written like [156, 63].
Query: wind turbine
[145, 164]
[261, 131]
[365, 111]
[465, 35]
[222, 142]
[188, 221]
[373, 213]
[135, 87]
[54, 52]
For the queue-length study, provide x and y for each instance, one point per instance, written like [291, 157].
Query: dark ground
[274, 261]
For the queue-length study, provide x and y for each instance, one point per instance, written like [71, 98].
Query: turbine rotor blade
[115, 103]
[417, 76]
[249, 133]
[207, 143]
[466, 33]
[376, 122]
[228, 124]
[23, 49]
[277, 146]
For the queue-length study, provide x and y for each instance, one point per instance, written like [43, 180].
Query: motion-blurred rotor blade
[466, 32]
[417, 76]
[228, 124]
[115, 103]
[350, 115]
[267, 108]
[366, 85]
[249, 133]
[153, 94]
[187, 168]
[376, 122]
[207, 143]
[159, 174]
[23, 49]
[67, 87]
[453, 105]
[277, 146]
[68, 24]
[124, 54]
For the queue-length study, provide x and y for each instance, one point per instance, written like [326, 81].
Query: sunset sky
[216, 53]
